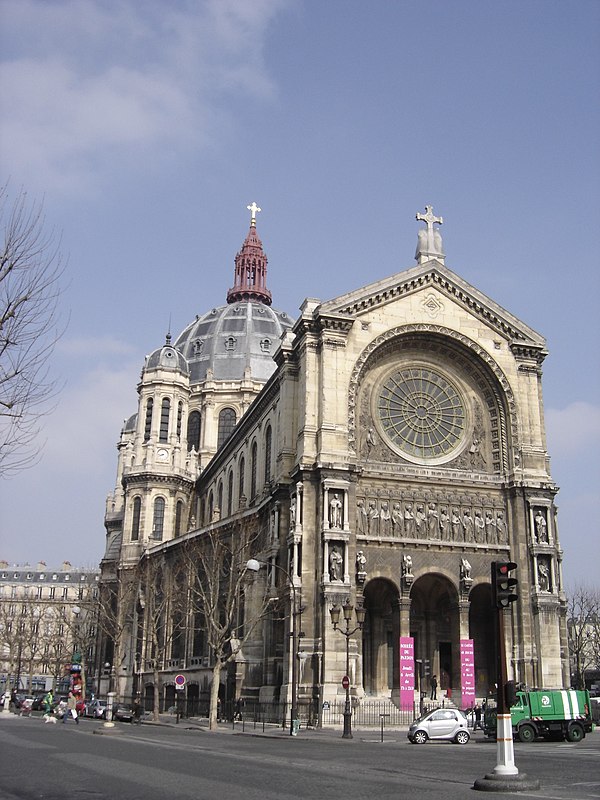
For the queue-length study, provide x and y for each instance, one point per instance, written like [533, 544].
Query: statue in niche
[490, 528]
[335, 512]
[501, 528]
[370, 441]
[476, 457]
[397, 525]
[293, 513]
[541, 528]
[407, 566]
[543, 577]
[335, 564]
[444, 525]
[467, 523]
[420, 520]
[479, 528]
[409, 521]
[384, 519]
[361, 566]
[433, 521]
[373, 519]
[465, 570]
[361, 517]
[456, 526]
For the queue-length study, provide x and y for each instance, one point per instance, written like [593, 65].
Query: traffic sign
[179, 681]
[345, 682]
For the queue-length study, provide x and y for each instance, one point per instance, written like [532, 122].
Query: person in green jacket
[49, 707]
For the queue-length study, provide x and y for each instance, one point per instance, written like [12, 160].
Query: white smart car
[447, 724]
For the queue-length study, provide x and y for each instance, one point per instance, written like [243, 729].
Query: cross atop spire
[430, 239]
[253, 209]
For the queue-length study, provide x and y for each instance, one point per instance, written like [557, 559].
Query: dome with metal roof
[167, 357]
[238, 340]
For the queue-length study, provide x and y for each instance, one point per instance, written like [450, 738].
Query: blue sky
[146, 128]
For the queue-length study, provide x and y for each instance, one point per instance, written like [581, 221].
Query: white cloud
[79, 78]
[574, 429]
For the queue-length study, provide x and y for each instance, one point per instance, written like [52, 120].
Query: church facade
[389, 444]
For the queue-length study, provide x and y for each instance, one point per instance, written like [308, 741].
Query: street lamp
[253, 565]
[335, 612]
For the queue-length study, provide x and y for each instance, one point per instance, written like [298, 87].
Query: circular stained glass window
[421, 412]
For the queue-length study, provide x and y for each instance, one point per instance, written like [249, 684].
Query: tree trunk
[156, 696]
[214, 696]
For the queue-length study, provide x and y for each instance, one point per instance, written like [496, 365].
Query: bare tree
[583, 624]
[219, 589]
[30, 272]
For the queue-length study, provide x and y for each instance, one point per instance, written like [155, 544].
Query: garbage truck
[551, 713]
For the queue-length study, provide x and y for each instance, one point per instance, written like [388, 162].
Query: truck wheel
[575, 732]
[526, 734]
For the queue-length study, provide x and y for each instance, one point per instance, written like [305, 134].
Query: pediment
[434, 275]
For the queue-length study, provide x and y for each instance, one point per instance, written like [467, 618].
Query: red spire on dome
[250, 276]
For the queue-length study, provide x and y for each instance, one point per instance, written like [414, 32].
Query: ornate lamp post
[253, 565]
[335, 611]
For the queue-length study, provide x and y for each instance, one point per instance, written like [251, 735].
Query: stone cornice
[146, 477]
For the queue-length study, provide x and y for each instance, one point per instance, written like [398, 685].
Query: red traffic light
[504, 588]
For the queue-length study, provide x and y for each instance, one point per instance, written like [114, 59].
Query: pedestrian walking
[71, 709]
[137, 711]
[433, 684]
[477, 718]
[48, 704]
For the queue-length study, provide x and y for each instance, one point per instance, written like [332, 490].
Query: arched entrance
[380, 638]
[481, 630]
[435, 628]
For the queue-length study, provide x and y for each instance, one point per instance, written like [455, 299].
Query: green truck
[553, 714]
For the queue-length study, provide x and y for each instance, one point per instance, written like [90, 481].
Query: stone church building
[390, 442]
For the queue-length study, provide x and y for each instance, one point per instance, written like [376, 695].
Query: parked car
[122, 713]
[95, 708]
[448, 724]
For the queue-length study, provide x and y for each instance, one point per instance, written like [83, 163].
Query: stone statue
[541, 529]
[409, 521]
[444, 525]
[361, 561]
[467, 523]
[490, 529]
[361, 517]
[293, 513]
[501, 528]
[335, 512]
[335, 564]
[465, 570]
[543, 577]
[397, 525]
[373, 519]
[384, 519]
[479, 528]
[433, 521]
[456, 526]
[420, 520]
[407, 566]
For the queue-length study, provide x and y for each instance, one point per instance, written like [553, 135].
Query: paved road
[180, 762]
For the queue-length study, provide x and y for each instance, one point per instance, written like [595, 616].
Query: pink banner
[407, 673]
[467, 673]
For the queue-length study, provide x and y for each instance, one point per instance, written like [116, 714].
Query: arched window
[178, 517]
[242, 476]
[253, 465]
[230, 493]
[148, 422]
[210, 507]
[268, 442]
[165, 412]
[193, 431]
[135, 522]
[158, 519]
[227, 420]
[179, 418]
[220, 497]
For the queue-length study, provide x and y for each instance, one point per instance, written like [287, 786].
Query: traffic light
[510, 694]
[504, 588]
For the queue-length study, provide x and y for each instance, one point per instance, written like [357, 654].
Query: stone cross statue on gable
[430, 239]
